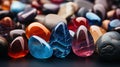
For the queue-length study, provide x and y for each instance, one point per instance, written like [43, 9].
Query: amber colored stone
[37, 29]
[6, 4]
[105, 24]
[96, 32]
[110, 14]
[18, 47]
[76, 22]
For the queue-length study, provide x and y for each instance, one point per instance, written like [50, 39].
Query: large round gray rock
[108, 45]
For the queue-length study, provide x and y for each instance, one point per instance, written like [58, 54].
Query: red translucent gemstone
[83, 43]
[18, 47]
[76, 22]
[57, 1]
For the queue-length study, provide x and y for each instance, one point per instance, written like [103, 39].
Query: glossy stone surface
[27, 15]
[50, 8]
[6, 24]
[39, 48]
[18, 48]
[67, 9]
[60, 40]
[51, 20]
[17, 7]
[108, 45]
[96, 32]
[93, 19]
[113, 24]
[15, 33]
[83, 43]
[3, 46]
[37, 29]
[76, 22]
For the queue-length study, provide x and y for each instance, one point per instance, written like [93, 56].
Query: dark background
[70, 61]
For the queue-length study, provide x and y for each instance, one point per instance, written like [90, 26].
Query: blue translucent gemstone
[114, 24]
[39, 48]
[93, 19]
[60, 40]
[17, 7]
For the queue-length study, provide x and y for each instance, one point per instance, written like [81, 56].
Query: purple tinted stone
[27, 15]
[83, 43]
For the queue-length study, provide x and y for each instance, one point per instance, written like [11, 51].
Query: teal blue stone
[17, 7]
[60, 40]
[39, 48]
[93, 19]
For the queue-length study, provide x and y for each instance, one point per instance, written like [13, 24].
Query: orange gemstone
[96, 32]
[105, 24]
[38, 29]
[6, 4]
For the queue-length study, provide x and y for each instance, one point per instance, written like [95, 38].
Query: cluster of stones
[46, 28]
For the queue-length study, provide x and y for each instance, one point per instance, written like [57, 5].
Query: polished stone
[39, 48]
[108, 45]
[15, 33]
[96, 32]
[51, 20]
[67, 9]
[37, 29]
[27, 15]
[113, 24]
[60, 40]
[17, 7]
[93, 19]
[18, 48]
[76, 22]
[83, 43]
[6, 24]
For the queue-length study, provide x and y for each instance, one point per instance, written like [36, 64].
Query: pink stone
[76, 22]
[83, 43]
